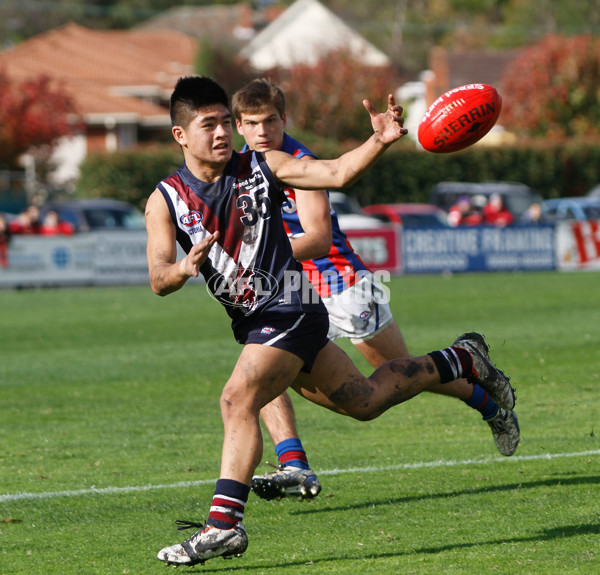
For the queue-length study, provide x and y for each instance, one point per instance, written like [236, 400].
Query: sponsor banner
[468, 249]
[378, 248]
[578, 245]
[83, 259]
[119, 258]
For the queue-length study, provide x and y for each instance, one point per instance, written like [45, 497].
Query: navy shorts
[303, 335]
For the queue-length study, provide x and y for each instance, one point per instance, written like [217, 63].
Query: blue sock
[482, 402]
[290, 452]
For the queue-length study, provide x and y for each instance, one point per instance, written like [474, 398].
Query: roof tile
[102, 70]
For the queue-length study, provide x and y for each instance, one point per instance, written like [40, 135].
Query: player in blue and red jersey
[354, 298]
[224, 209]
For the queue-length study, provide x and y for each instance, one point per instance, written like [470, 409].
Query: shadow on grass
[549, 534]
[430, 496]
[544, 535]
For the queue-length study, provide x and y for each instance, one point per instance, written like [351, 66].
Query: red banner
[378, 248]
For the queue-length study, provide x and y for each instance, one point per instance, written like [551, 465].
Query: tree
[223, 63]
[326, 98]
[33, 115]
[552, 89]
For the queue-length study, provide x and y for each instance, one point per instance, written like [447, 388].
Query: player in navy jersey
[338, 274]
[224, 209]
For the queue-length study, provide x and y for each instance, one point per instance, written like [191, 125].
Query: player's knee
[362, 414]
[232, 404]
[235, 405]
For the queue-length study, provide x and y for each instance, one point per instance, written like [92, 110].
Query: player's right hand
[198, 254]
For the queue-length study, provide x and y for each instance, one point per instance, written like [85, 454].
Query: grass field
[110, 431]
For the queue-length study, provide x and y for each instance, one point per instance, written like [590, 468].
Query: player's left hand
[389, 125]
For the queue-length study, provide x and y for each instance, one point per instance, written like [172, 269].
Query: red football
[459, 118]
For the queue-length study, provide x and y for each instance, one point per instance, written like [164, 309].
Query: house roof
[304, 33]
[217, 22]
[124, 74]
[452, 69]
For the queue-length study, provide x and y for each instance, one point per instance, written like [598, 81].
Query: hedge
[552, 170]
[129, 176]
[403, 174]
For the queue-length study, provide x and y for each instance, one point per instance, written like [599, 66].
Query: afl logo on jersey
[191, 219]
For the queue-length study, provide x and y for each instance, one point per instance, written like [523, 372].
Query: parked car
[516, 197]
[7, 216]
[350, 215]
[595, 191]
[575, 208]
[97, 214]
[409, 214]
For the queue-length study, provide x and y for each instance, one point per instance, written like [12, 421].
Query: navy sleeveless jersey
[250, 269]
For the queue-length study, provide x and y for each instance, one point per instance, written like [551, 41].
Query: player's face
[264, 131]
[209, 136]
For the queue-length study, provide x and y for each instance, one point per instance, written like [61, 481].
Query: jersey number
[255, 207]
[289, 206]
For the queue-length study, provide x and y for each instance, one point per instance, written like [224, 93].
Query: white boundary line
[419, 465]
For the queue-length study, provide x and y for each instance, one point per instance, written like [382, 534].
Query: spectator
[52, 226]
[533, 215]
[495, 214]
[463, 213]
[4, 240]
[27, 222]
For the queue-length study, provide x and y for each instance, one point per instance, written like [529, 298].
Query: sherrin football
[459, 118]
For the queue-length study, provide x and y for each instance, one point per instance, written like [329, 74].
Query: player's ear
[238, 125]
[179, 134]
[284, 120]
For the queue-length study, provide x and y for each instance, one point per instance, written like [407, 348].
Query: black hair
[192, 93]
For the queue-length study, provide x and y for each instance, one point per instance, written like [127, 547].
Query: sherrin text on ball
[459, 118]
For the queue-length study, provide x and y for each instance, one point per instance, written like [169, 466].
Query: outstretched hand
[388, 126]
[198, 254]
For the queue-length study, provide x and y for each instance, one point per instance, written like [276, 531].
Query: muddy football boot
[485, 373]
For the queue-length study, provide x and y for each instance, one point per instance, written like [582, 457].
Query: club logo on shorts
[267, 329]
[191, 219]
[365, 315]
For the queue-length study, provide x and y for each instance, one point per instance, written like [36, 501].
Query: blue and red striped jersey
[337, 270]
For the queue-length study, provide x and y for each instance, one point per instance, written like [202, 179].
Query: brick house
[120, 82]
[449, 69]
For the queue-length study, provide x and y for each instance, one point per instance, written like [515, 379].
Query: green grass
[109, 412]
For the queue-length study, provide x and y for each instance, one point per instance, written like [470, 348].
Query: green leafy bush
[403, 174]
[128, 176]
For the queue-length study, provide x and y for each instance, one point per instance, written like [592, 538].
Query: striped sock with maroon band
[228, 504]
[452, 363]
[290, 452]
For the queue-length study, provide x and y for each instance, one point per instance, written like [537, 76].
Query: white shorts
[359, 312]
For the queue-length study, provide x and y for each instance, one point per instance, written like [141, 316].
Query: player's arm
[388, 127]
[166, 274]
[315, 218]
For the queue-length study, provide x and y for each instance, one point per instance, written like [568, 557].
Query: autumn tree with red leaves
[326, 99]
[552, 89]
[33, 116]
